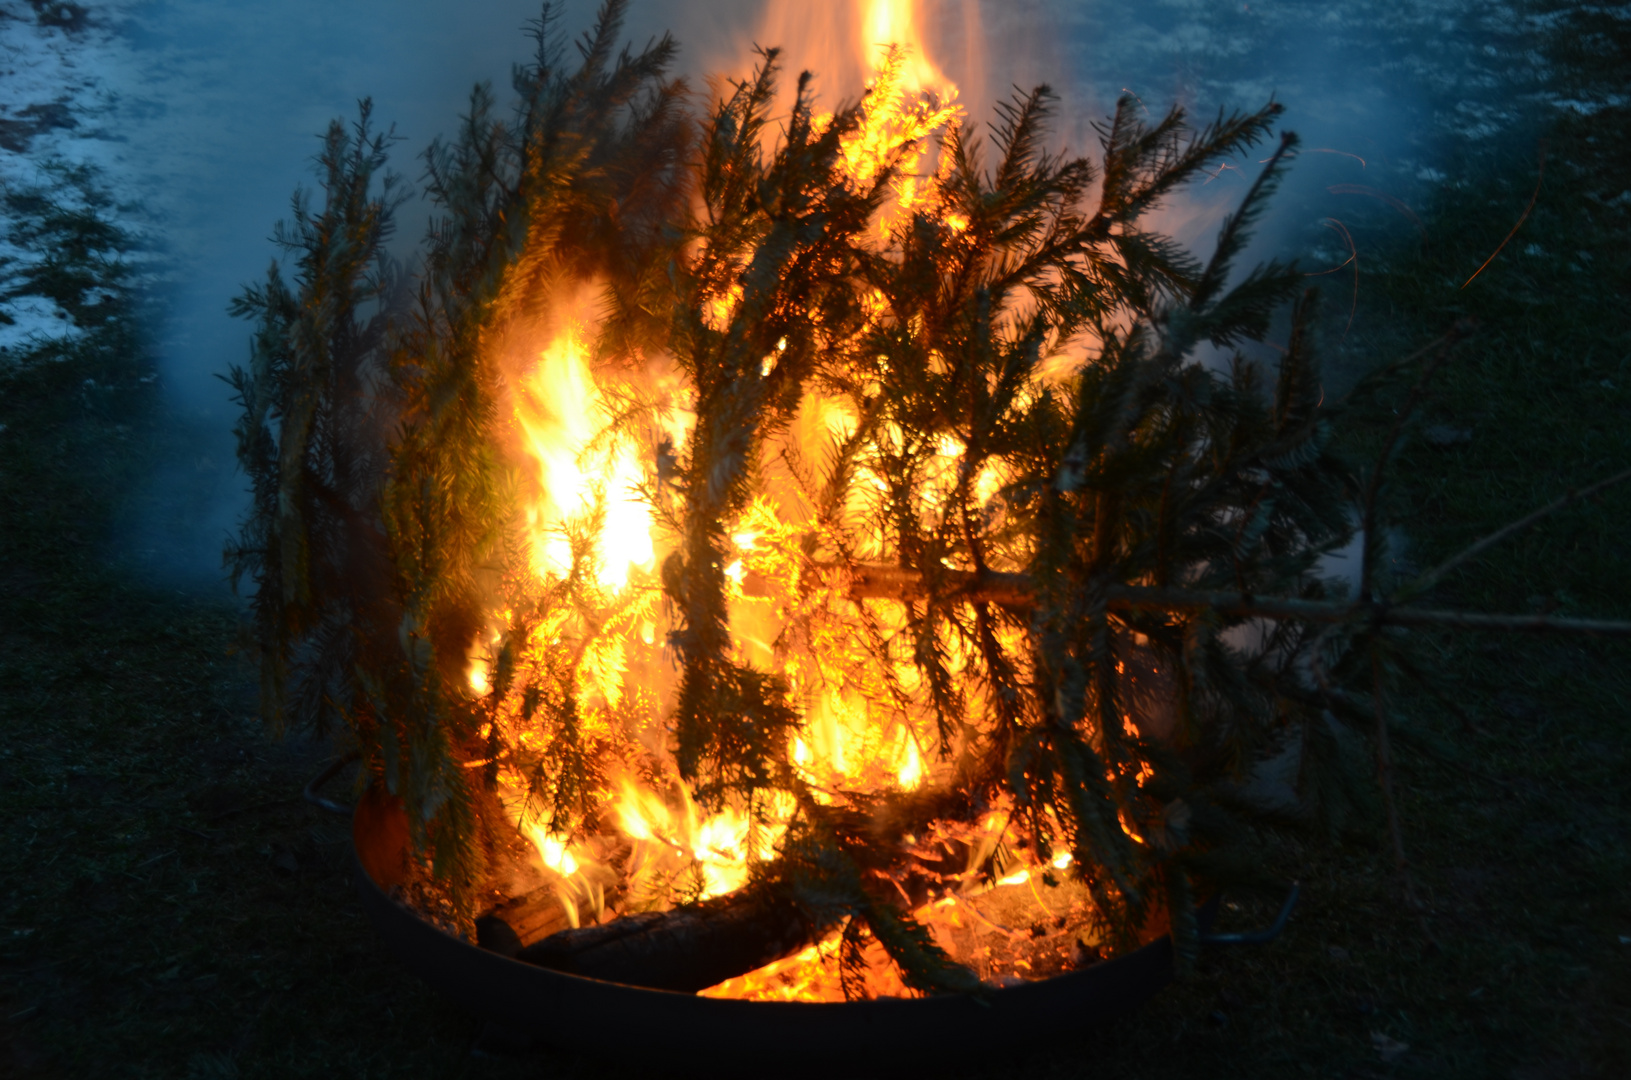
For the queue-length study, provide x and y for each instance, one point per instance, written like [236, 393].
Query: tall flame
[581, 501]
[844, 41]
[886, 23]
[560, 413]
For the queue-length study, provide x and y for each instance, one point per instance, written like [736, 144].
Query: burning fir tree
[792, 538]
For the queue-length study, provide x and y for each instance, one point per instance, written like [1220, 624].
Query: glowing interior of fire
[590, 491]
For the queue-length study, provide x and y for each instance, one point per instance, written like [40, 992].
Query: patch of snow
[36, 320]
[1589, 108]
[56, 96]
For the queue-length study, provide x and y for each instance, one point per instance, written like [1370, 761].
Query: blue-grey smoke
[222, 103]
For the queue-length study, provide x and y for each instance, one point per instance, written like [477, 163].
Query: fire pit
[533, 1007]
[775, 558]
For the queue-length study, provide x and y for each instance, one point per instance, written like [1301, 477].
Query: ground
[170, 906]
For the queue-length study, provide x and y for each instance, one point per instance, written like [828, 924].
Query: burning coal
[767, 554]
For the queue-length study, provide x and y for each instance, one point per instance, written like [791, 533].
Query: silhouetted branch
[1017, 591]
[1472, 551]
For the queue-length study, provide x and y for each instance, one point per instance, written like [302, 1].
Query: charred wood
[687, 949]
[515, 924]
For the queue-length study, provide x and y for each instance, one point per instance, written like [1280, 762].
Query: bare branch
[1384, 777]
[1462, 328]
[869, 582]
[1469, 620]
[1435, 575]
[1374, 489]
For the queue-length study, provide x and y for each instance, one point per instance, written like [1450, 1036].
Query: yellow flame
[476, 676]
[558, 410]
[910, 772]
[894, 22]
[555, 852]
[856, 732]
[717, 845]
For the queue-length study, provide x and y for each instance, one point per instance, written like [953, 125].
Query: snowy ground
[56, 71]
[200, 116]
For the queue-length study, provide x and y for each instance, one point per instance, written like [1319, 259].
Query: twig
[311, 791]
[1316, 611]
[1461, 329]
[1422, 680]
[1374, 490]
[983, 917]
[1472, 551]
[154, 859]
[1036, 894]
[1328, 697]
[1384, 776]
[1540, 175]
[1466, 620]
[1444, 760]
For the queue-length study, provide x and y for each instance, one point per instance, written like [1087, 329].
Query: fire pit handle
[1261, 937]
[311, 791]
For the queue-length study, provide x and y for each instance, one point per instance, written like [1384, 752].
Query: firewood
[687, 949]
[522, 921]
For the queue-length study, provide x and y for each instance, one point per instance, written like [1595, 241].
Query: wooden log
[687, 949]
[522, 921]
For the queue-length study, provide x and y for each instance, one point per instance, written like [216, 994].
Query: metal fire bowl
[536, 1007]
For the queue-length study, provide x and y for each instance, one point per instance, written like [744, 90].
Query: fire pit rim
[535, 1006]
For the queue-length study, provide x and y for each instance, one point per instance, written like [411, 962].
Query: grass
[170, 908]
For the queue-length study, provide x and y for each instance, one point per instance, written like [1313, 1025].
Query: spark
[1135, 97]
[1540, 175]
[1353, 257]
[1326, 150]
[1361, 189]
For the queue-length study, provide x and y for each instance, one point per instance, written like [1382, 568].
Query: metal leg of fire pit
[1261, 937]
[312, 792]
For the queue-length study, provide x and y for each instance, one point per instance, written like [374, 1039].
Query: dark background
[170, 907]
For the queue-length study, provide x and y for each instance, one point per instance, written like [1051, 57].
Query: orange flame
[559, 412]
[887, 23]
[585, 521]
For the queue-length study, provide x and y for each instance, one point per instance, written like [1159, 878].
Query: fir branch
[1237, 230]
